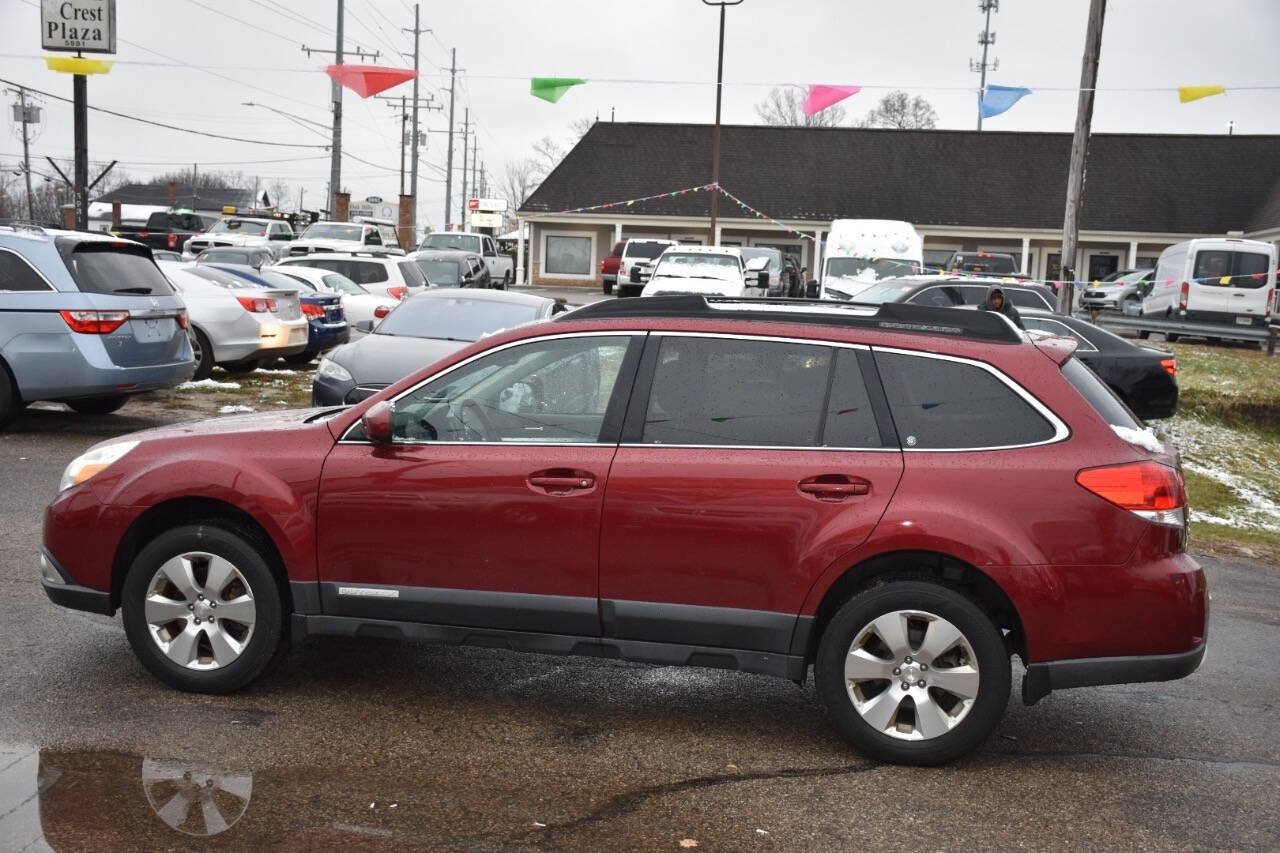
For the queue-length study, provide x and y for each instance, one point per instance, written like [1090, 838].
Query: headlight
[330, 369]
[92, 463]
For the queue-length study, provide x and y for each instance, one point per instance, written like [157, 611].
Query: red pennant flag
[368, 80]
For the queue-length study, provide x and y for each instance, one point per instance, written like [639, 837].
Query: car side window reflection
[544, 391]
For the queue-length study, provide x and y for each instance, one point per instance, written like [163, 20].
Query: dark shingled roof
[1133, 182]
[207, 198]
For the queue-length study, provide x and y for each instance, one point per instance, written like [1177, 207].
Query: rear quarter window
[939, 404]
[16, 275]
[365, 272]
[412, 274]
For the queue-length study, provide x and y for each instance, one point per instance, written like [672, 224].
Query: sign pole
[80, 95]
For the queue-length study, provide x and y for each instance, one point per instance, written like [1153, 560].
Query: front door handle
[562, 481]
[834, 488]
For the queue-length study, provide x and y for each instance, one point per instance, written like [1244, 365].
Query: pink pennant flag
[822, 96]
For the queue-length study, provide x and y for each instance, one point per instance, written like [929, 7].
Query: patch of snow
[276, 372]
[209, 385]
[236, 410]
[1239, 461]
[1144, 438]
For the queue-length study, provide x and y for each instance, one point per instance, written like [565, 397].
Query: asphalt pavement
[382, 745]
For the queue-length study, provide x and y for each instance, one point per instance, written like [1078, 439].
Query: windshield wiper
[143, 290]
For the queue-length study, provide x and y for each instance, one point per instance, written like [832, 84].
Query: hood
[382, 359]
[257, 422]
[330, 243]
[706, 286]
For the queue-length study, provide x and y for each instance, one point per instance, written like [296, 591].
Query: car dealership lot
[394, 745]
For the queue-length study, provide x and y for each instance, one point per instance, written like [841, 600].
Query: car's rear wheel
[913, 672]
[201, 609]
[506, 280]
[99, 405]
[300, 358]
[1173, 339]
[608, 288]
[241, 367]
[10, 402]
[202, 350]
[1144, 334]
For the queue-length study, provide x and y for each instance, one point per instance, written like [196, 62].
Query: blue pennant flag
[999, 99]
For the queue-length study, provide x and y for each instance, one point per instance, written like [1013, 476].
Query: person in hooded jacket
[997, 302]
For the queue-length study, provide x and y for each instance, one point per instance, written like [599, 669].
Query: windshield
[440, 273]
[773, 255]
[644, 249]
[984, 262]
[697, 265]
[887, 291]
[445, 240]
[333, 231]
[239, 226]
[868, 270]
[112, 268]
[342, 284]
[454, 319]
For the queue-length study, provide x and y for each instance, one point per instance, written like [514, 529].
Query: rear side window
[1231, 269]
[850, 420]
[939, 404]
[106, 268]
[18, 275]
[647, 249]
[719, 391]
[412, 274]
[939, 297]
[364, 272]
[1100, 397]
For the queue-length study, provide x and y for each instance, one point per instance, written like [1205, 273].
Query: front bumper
[1043, 678]
[63, 593]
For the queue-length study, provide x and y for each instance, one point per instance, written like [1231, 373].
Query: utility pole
[413, 166]
[986, 38]
[462, 208]
[448, 167]
[194, 183]
[30, 114]
[419, 137]
[475, 162]
[404, 137]
[715, 144]
[1079, 148]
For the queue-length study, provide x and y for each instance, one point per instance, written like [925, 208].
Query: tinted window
[544, 391]
[412, 275]
[850, 419]
[721, 391]
[983, 262]
[17, 274]
[363, 272]
[1100, 397]
[104, 268]
[1027, 299]
[457, 318]
[644, 249]
[946, 404]
[1212, 266]
[939, 297]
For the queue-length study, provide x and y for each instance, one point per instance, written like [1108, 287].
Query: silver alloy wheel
[911, 675]
[200, 610]
[195, 800]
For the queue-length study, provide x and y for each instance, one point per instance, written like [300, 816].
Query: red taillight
[397, 292]
[1184, 296]
[257, 304]
[381, 311]
[1170, 366]
[1152, 490]
[183, 321]
[95, 322]
[312, 310]
[173, 241]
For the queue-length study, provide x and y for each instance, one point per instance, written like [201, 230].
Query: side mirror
[811, 289]
[762, 280]
[377, 422]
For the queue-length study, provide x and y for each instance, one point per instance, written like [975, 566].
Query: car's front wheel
[913, 672]
[201, 609]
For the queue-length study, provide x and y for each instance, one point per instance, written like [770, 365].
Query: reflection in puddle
[195, 801]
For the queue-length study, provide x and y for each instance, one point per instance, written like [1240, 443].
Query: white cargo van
[860, 252]
[1224, 280]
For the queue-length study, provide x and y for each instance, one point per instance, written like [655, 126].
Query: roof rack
[889, 316]
[22, 225]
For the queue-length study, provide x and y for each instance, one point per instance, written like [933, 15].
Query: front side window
[552, 392]
[939, 404]
[18, 275]
[568, 256]
[720, 391]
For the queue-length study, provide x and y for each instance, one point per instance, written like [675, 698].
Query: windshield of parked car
[867, 270]
[984, 262]
[457, 318]
[887, 291]
[239, 226]
[644, 249]
[445, 240]
[342, 284]
[774, 256]
[698, 265]
[439, 273]
[101, 267]
[333, 231]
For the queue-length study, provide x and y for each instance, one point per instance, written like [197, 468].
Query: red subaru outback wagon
[901, 497]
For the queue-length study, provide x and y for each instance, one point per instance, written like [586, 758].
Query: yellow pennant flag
[1195, 93]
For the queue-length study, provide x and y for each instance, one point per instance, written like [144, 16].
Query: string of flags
[633, 201]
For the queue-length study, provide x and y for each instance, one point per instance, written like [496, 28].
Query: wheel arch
[196, 510]
[929, 565]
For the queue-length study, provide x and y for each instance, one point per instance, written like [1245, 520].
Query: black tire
[300, 358]
[10, 402]
[607, 287]
[1173, 339]
[948, 603]
[247, 365]
[264, 641]
[1144, 334]
[203, 353]
[99, 405]
[506, 280]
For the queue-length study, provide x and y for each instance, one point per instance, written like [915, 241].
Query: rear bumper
[325, 336]
[1043, 678]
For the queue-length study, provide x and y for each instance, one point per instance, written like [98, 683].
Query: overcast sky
[923, 46]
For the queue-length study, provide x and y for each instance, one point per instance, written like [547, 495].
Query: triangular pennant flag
[552, 89]
[821, 96]
[1195, 93]
[999, 99]
[369, 80]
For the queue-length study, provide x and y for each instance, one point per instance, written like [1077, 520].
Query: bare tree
[785, 107]
[519, 181]
[898, 109]
[279, 192]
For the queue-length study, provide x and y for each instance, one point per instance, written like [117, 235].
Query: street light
[715, 145]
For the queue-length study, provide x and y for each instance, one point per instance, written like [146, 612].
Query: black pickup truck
[166, 230]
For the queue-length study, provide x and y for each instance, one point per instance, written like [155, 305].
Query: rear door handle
[561, 481]
[834, 487]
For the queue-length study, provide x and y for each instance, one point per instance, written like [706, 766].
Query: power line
[223, 14]
[290, 15]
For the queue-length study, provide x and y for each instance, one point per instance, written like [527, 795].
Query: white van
[1214, 280]
[860, 252]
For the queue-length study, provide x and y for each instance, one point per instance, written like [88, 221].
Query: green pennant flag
[552, 89]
